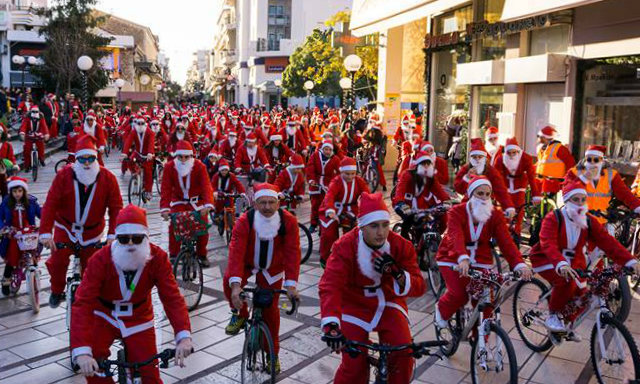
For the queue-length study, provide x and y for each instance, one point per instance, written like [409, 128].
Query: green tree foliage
[69, 34]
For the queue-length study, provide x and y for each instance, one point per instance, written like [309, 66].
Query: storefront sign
[439, 41]
[484, 28]
[275, 64]
[391, 112]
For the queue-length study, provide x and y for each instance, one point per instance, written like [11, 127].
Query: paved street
[34, 348]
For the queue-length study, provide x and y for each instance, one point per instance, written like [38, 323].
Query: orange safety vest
[599, 196]
[549, 165]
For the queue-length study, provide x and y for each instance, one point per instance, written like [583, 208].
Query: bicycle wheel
[619, 298]
[614, 353]
[33, 285]
[258, 362]
[188, 273]
[60, 164]
[530, 308]
[451, 334]
[436, 282]
[34, 165]
[306, 242]
[135, 196]
[372, 177]
[122, 372]
[230, 220]
[158, 176]
[495, 362]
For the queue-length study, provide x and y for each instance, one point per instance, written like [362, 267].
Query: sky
[183, 27]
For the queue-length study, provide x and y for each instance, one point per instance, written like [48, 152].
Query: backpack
[251, 213]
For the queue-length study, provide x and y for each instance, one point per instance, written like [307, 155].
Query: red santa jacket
[277, 155]
[291, 183]
[27, 126]
[227, 151]
[461, 183]
[227, 185]
[559, 245]
[517, 182]
[617, 187]
[321, 172]
[248, 163]
[6, 152]
[97, 133]
[143, 144]
[341, 197]
[62, 208]
[350, 289]
[466, 240]
[130, 311]
[173, 141]
[296, 143]
[429, 194]
[282, 256]
[193, 190]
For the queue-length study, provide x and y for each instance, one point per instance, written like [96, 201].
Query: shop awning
[519, 9]
[480, 73]
[371, 16]
[535, 69]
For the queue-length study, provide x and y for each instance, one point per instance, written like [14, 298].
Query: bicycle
[381, 362]
[27, 269]
[228, 219]
[61, 164]
[187, 226]
[626, 230]
[15, 120]
[490, 343]
[158, 169]
[367, 165]
[530, 310]
[535, 213]
[122, 365]
[307, 248]
[136, 193]
[36, 138]
[258, 364]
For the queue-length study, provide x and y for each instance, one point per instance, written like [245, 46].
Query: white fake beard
[266, 227]
[265, 129]
[592, 171]
[86, 176]
[479, 165]
[91, 130]
[252, 151]
[491, 148]
[577, 214]
[512, 163]
[155, 128]
[184, 168]
[481, 210]
[425, 171]
[291, 131]
[131, 257]
[167, 123]
[180, 135]
[232, 141]
[140, 129]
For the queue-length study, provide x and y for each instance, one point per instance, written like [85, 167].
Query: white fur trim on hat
[492, 135]
[86, 152]
[475, 184]
[567, 196]
[183, 152]
[275, 137]
[424, 147]
[17, 183]
[223, 167]
[326, 145]
[265, 192]
[296, 166]
[131, 229]
[348, 168]
[250, 140]
[423, 158]
[511, 147]
[593, 152]
[372, 217]
[478, 152]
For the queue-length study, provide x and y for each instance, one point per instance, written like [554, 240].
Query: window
[552, 39]
[453, 21]
[279, 23]
[491, 47]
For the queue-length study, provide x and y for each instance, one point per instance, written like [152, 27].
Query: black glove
[333, 337]
[403, 211]
[387, 264]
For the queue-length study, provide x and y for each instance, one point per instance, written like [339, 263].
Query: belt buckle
[338, 205]
[123, 308]
[568, 253]
[76, 228]
[194, 200]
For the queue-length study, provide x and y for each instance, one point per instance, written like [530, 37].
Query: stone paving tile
[39, 347]
[194, 364]
[563, 371]
[214, 378]
[13, 372]
[46, 374]
[20, 337]
[320, 371]
[442, 375]
[228, 348]
[305, 342]
[8, 358]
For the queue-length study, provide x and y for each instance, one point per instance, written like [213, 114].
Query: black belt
[84, 227]
[109, 304]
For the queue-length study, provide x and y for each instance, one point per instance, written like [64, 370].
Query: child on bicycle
[225, 182]
[291, 180]
[17, 211]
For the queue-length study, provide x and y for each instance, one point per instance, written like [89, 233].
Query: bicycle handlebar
[76, 247]
[164, 357]
[294, 303]
[418, 349]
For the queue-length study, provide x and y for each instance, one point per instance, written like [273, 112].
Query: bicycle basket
[478, 288]
[188, 225]
[27, 242]
[262, 298]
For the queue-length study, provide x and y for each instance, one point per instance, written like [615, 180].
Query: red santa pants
[58, 262]
[393, 329]
[139, 347]
[456, 294]
[53, 129]
[563, 291]
[201, 243]
[518, 201]
[28, 145]
[383, 180]
[270, 315]
[316, 202]
[12, 257]
[328, 236]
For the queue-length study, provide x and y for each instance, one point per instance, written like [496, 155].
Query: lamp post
[278, 84]
[20, 60]
[119, 85]
[345, 84]
[159, 89]
[84, 64]
[352, 64]
[308, 85]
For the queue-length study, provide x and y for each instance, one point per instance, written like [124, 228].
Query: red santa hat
[34, 108]
[223, 164]
[234, 114]
[213, 152]
[275, 136]
[251, 138]
[548, 132]
[426, 145]
[421, 156]
[296, 161]
[477, 147]
[492, 133]
[511, 144]
[572, 188]
[327, 143]
[92, 115]
[334, 120]
[475, 182]
[405, 120]
[184, 148]
[232, 133]
[375, 119]
[264, 117]
[86, 146]
[16, 181]
[132, 220]
[595, 150]
[348, 164]
[327, 135]
[371, 209]
[266, 189]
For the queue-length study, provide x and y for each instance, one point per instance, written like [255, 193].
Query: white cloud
[183, 27]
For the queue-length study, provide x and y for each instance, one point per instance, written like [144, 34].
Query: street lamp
[352, 63]
[278, 84]
[308, 85]
[345, 84]
[20, 60]
[119, 85]
[84, 64]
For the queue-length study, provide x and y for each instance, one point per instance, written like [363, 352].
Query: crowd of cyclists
[213, 157]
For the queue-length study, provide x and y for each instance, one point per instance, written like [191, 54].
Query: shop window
[552, 39]
[489, 108]
[453, 21]
[491, 47]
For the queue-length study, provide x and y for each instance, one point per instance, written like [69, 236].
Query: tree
[173, 91]
[69, 34]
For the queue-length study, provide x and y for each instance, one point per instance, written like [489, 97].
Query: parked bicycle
[258, 364]
[614, 353]
[27, 269]
[306, 241]
[129, 372]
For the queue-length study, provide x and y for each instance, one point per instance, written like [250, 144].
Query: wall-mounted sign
[275, 64]
[439, 41]
[484, 28]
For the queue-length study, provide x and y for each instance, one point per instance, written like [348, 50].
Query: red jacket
[442, 170]
[344, 296]
[246, 163]
[523, 177]
[291, 183]
[321, 172]
[228, 185]
[27, 126]
[342, 196]
[460, 243]
[618, 188]
[500, 192]
[297, 143]
[194, 190]
[62, 207]
[98, 134]
[283, 255]
[431, 193]
[102, 280]
[143, 144]
[227, 151]
[283, 156]
[6, 152]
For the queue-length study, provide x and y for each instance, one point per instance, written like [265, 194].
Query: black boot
[55, 299]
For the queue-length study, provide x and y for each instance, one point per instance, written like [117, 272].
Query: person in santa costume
[180, 134]
[251, 159]
[33, 124]
[211, 162]
[53, 107]
[140, 142]
[17, 211]
[224, 183]
[229, 146]
[161, 138]
[467, 244]
[76, 204]
[6, 149]
[322, 167]
[554, 160]
[404, 131]
[561, 250]
[266, 244]
[342, 197]
[478, 165]
[277, 153]
[418, 189]
[293, 137]
[114, 301]
[291, 180]
[369, 276]
[441, 165]
[186, 187]
[95, 130]
[375, 138]
[518, 173]
[491, 144]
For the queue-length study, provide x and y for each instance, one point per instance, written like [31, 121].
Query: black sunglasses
[86, 159]
[135, 239]
[594, 160]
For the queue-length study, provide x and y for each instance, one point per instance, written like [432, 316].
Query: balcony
[268, 48]
[228, 56]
